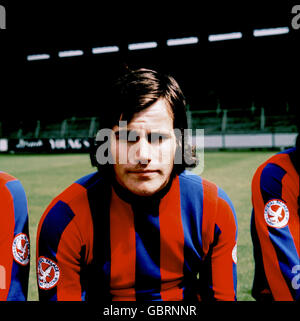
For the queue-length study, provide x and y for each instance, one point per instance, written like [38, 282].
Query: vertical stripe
[171, 245]
[209, 234]
[223, 274]
[260, 282]
[290, 192]
[122, 242]
[147, 229]
[224, 196]
[19, 283]
[68, 261]
[19, 274]
[280, 238]
[20, 206]
[270, 182]
[6, 234]
[275, 279]
[99, 196]
[219, 235]
[286, 254]
[206, 290]
[285, 239]
[191, 204]
[78, 238]
[210, 194]
[83, 218]
[53, 225]
[75, 244]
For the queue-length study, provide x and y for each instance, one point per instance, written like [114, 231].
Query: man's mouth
[146, 172]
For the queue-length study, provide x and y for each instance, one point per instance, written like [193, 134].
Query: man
[141, 227]
[275, 227]
[14, 240]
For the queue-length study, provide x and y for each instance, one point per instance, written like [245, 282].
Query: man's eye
[156, 138]
[132, 137]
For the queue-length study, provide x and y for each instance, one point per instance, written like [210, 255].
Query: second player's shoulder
[12, 188]
[276, 164]
[271, 172]
[5, 178]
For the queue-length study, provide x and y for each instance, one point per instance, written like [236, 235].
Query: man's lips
[141, 171]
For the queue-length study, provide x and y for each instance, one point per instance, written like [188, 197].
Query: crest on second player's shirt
[276, 213]
[21, 249]
[48, 273]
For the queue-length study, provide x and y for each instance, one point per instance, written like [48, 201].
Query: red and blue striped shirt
[275, 228]
[14, 240]
[97, 241]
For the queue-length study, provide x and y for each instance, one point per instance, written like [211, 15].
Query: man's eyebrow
[126, 132]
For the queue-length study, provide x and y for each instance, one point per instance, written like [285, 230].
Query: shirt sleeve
[224, 250]
[59, 255]
[14, 242]
[275, 231]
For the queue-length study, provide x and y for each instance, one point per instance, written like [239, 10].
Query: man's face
[144, 150]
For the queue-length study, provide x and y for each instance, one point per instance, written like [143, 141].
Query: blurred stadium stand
[237, 121]
[242, 86]
[218, 121]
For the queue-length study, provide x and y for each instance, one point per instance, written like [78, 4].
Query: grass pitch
[45, 176]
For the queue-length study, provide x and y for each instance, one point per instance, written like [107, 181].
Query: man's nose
[143, 153]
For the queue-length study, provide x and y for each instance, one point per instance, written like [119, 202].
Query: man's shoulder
[190, 178]
[10, 185]
[275, 167]
[72, 202]
[283, 158]
[195, 189]
[89, 180]
[5, 178]
[79, 188]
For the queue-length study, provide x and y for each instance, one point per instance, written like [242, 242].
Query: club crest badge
[48, 273]
[21, 249]
[276, 213]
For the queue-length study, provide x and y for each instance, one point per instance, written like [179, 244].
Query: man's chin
[144, 193]
[144, 189]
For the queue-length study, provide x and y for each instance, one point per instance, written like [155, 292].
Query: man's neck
[132, 198]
